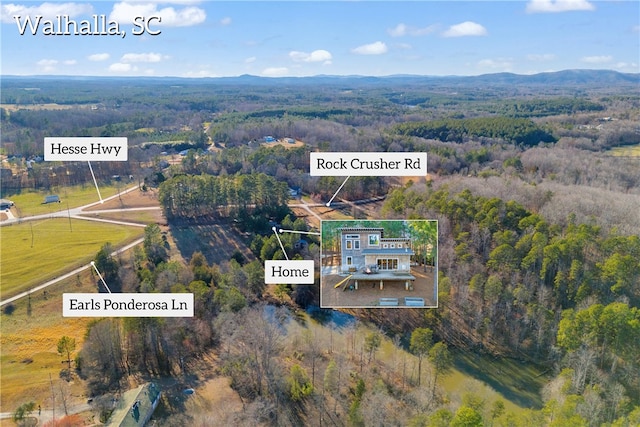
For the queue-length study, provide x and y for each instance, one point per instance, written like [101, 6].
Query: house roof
[386, 251]
[360, 229]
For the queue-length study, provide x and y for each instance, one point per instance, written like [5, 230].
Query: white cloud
[47, 65]
[98, 57]
[399, 30]
[403, 46]
[70, 62]
[601, 59]
[403, 30]
[200, 74]
[250, 60]
[124, 12]
[46, 10]
[375, 48]
[275, 71]
[551, 6]
[225, 21]
[319, 55]
[503, 64]
[119, 67]
[627, 67]
[466, 28]
[142, 57]
[541, 57]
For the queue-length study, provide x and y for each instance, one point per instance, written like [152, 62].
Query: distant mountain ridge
[576, 77]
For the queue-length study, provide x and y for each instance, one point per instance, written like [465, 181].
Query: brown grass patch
[284, 144]
[29, 338]
[139, 217]
[132, 199]
[52, 106]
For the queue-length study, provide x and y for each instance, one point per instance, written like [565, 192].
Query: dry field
[29, 337]
[142, 208]
[132, 199]
[625, 151]
[284, 144]
[16, 107]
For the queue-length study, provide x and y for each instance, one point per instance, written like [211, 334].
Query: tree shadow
[217, 240]
[519, 382]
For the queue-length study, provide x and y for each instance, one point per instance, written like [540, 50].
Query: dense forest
[538, 247]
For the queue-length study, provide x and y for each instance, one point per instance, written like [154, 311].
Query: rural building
[295, 191]
[51, 199]
[135, 407]
[5, 204]
[369, 256]
[301, 245]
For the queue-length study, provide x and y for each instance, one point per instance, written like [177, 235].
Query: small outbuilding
[5, 204]
[54, 198]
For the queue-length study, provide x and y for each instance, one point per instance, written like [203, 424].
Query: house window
[349, 260]
[393, 245]
[374, 240]
[387, 264]
[385, 245]
[352, 244]
[399, 245]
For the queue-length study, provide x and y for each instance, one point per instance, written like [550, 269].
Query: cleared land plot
[56, 249]
[143, 205]
[52, 106]
[284, 143]
[132, 199]
[519, 382]
[146, 216]
[626, 151]
[217, 241]
[30, 203]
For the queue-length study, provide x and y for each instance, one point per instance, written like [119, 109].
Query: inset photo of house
[379, 264]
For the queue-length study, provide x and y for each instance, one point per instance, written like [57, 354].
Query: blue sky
[301, 38]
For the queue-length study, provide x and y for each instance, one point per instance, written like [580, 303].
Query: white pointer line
[280, 241]
[339, 188]
[299, 232]
[93, 264]
[96, 183]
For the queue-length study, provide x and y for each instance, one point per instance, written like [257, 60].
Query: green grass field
[517, 382]
[55, 249]
[29, 203]
[625, 151]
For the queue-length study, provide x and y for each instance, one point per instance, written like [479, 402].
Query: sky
[305, 38]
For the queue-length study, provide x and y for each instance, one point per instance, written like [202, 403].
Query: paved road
[47, 414]
[307, 206]
[78, 213]
[65, 213]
